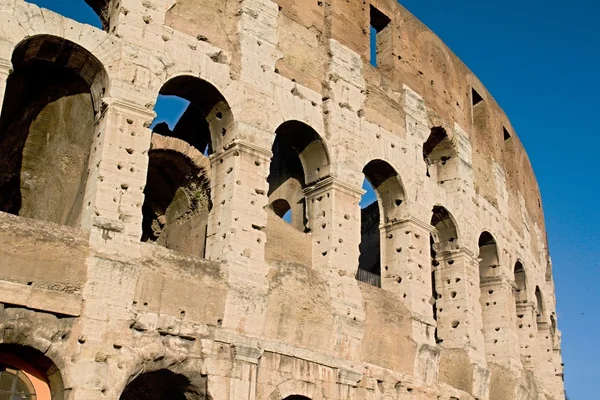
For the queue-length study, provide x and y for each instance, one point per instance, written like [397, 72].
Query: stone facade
[140, 264]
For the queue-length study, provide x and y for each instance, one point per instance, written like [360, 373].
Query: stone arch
[300, 158]
[43, 377]
[443, 242]
[293, 389]
[520, 277]
[389, 208]
[102, 9]
[445, 230]
[208, 121]
[440, 156]
[164, 384]
[52, 101]
[539, 306]
[491, 299]
[177, 197]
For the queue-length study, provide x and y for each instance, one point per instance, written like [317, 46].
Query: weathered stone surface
[140, 260]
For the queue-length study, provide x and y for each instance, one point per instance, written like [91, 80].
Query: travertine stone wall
[250, 321]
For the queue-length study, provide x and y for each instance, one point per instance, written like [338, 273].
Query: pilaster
[118, 169]
[458, 310]
[406, 271]
[237, 222]
[244, 373]
[334, 221]
[499, 329]
[526, 330]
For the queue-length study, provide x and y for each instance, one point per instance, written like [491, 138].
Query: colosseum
[227, 256]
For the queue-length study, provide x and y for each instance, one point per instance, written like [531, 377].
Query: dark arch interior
[299, 158]
[207, 114]
[438, 149]
[296, 397]
[47, 129]
[177, 194]
[177, 203]
[382, 180]
[280, 207]
[164, 385]
[444, 228]
[539, 305]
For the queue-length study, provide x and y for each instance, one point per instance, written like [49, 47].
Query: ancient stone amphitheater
[227, 256]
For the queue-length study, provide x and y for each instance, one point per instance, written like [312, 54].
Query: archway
[177, 198]
[47, 129]
[25, 373]
[300, 158]
[491, 300]
[440, 156]
[539, 304]
[165, 385]
[382, 206]
[296, 397]
[443, 242]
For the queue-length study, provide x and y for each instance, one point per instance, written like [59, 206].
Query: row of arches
[28, 374]
[48, 129]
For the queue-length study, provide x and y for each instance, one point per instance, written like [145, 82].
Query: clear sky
[540, 59]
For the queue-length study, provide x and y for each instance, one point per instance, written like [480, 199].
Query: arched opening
[102, 10]
[539, 306]
[165, 385]
[192, 117]
[47, 129]
[490, 285]
[300, 159]
[521, 284]
[443, 240]
[440, 156]
[381, 205]
[296, 397]
[25, 373]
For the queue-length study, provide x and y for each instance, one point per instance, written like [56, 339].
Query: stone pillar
[458, 310]
[499, 330]
[118, 168]
[237, 221]
[236, 231]
[546, 356]
[526, 331]
[5, 67]
[406, 271]
[244, 372]
[334, 220]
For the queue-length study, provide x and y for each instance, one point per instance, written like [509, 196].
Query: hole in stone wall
[380, 38]
[440, 156]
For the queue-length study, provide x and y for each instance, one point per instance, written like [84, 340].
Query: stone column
[458, 310]
[244, 372]
[406, 271]
[118, 169]
[499, 330]
[237, 221]
[5, 67]
[526, 331]
[334, 220]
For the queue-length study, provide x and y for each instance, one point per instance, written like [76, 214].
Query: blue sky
[540, 59]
